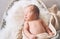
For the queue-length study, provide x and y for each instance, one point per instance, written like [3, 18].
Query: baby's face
[28, 13]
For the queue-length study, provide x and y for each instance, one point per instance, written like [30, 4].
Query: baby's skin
[33, 25]
[36, 27]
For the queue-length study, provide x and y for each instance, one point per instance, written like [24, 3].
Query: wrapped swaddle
[43, 35]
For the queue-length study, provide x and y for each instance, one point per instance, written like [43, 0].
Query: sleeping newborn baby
[33, 25]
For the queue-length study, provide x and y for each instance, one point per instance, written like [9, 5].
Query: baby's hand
[33, 37]
[51, 33]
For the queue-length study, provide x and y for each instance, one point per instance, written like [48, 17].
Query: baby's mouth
[25, 17]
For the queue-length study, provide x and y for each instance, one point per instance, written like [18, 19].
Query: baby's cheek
[28, 16]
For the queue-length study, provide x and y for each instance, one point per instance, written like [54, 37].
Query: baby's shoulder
[41, 20]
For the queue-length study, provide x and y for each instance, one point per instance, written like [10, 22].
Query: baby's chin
[27, 20]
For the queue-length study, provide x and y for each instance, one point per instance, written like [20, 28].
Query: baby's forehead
[30, 7]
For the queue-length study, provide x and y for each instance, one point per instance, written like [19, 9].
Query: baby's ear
[53, 9]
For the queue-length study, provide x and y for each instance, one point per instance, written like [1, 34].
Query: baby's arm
[26, 31]
[47, 28]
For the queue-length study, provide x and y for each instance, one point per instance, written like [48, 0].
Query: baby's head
[31, 12]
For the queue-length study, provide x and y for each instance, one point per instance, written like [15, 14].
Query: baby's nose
[26, 15]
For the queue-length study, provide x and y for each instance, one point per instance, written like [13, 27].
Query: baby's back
[36, 27]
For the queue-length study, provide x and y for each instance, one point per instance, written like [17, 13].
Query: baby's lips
[25, 17]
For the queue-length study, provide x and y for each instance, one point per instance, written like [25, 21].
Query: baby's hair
[35, 9]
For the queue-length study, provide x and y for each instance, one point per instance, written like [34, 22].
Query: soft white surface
[3, 7]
